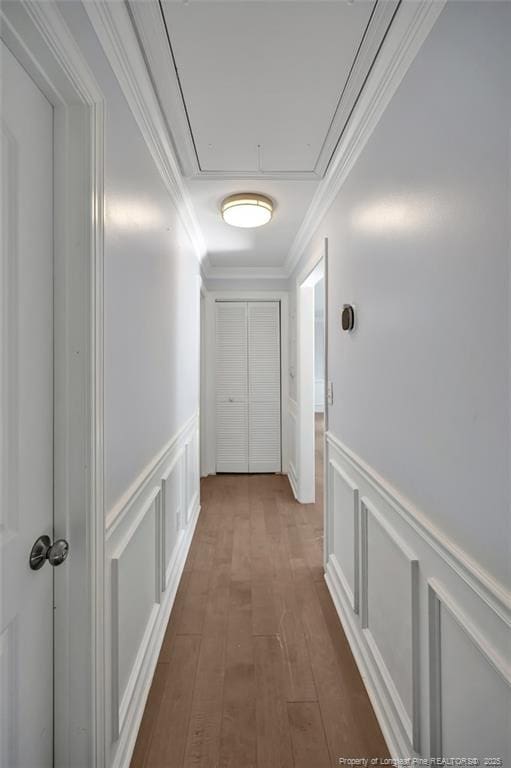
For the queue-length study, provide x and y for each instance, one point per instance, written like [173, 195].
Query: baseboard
[131, 727]
[293, 480]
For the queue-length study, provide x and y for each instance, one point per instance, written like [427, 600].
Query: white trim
[242, 273]
[244, 295]
[412, 24]
[114, 29]
[39, 37]
[485, 586]
[305, 429]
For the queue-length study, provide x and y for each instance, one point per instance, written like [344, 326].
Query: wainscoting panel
[172, 495]
[430, 629]
[390, 614]
[135, 597]
[465, 671]
[343, 532]
[148, 535]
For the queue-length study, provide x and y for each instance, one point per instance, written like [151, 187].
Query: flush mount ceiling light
[247, 209]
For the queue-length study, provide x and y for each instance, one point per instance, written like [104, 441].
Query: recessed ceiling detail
[256, 95]
[259, 89]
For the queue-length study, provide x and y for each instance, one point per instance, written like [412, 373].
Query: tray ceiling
[257, 92]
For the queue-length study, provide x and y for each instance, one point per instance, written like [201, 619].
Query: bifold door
[248, 419]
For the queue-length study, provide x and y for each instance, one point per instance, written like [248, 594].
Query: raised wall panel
[172, 513]
[390, 613]
[343, 541]
[136, 581]
[465, 671]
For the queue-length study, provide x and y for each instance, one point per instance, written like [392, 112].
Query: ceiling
[256, 94]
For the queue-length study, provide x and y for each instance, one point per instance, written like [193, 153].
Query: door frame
[211, 297]
[305, 435]
[41, 41]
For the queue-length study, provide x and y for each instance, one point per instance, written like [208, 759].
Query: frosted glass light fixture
[247, 209]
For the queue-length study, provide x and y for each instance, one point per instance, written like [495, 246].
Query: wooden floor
[255, 669]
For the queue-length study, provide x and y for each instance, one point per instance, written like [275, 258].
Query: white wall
[151, 302]
[419, 242]
[151, 292]
[418, 523]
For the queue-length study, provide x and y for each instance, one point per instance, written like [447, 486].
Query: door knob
[44, 550]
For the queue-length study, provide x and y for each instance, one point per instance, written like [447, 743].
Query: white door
[26, 402]
[248, 393]
[264, 386]
[231, 387]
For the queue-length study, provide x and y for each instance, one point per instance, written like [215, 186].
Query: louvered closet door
[231, 387]
[264, 387]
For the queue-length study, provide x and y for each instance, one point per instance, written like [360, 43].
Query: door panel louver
[264, 387]
[248, 387]
[231, 387]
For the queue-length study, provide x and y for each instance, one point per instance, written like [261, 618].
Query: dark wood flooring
[255, 670]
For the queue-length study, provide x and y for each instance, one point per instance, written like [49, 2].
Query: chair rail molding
[113, 26]
[486, 587]
[416, 632]
[412, 23]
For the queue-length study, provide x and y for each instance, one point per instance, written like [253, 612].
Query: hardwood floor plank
[308, 736]
[203, 740]
[255, 670]
[273, 737]
[171, 720]
[238, 737]
[152, 708]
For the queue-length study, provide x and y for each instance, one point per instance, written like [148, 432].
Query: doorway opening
[319, 387]
[312, 376]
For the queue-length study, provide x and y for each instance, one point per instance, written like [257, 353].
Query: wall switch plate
[330, 392]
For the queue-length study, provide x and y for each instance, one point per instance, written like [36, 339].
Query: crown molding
[211, 272]
[114, 28]
[412, 23]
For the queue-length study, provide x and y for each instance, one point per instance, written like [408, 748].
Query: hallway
[220, 217]
[255, 669]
